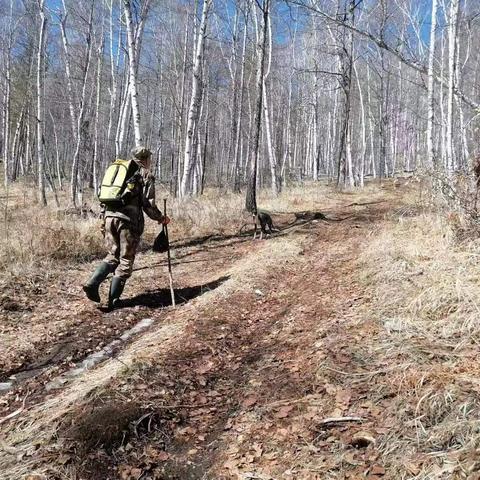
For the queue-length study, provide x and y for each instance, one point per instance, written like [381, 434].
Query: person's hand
[165, 220]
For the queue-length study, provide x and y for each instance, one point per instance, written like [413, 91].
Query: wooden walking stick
[170, 278]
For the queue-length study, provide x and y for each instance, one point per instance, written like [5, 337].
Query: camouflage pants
[122, 246]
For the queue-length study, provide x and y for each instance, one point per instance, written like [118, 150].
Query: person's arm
[148, 201]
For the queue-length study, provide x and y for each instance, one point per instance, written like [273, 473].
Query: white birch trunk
[373, 169]
[72, 101]
[363, 157]
[123, 114]
[6, 120]
[315, 147]
[431, 87]
[113, 83]
[251, 194]
[132, 65]
[238, 133]
[443, 134]
[268, 133]
[452, 43]
[195, 101]
[348, 156]
[75, 178]
[40, 100]
[7, 101]
[96, 147]
[458, 79]
[181, 115]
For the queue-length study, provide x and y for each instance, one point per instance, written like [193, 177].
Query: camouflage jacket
[142, 200]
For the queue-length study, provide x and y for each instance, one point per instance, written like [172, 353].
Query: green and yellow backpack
[118, 183]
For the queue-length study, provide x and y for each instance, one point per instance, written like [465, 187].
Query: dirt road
[272, 368]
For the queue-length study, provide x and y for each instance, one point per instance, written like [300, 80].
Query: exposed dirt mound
[106, 424]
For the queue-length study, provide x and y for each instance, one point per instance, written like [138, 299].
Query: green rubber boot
[99, 275]
[116, 288]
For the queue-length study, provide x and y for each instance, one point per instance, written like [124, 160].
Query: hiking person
[127, 190]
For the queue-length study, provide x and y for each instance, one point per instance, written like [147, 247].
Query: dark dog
[266, 223]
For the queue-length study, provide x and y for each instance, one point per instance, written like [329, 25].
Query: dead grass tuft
[426, 290]
[206, 215]
[429, 282]
[34, 242]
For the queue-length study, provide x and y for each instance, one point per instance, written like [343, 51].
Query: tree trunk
[6, 120]
[363, 158]
[113, 88]
[238, 133]
[251, 197]
[272, 158]
[40, 101]
[96, 147]
[452, 65]
[132, 64]
[431, 87]
[76, 178]
[72, 101]
[195, 101]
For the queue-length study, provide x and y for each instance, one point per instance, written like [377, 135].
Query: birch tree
[195, 103]
[96, 147]
[251, 195]
[40, 101]
[239, 123]
[75, 180]
[452, 66]
[272, 158]
[132, 68]
[431, 84]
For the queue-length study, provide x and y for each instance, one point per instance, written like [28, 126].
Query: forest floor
[294, 357]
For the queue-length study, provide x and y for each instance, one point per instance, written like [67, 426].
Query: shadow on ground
[161, 297]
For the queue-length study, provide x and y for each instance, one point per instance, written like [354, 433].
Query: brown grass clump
[34, 238]
[430, 284]
[426, 290]
[211, 213]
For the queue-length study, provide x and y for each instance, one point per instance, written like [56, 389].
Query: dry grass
[429, 282]
[426, 290]
[34, 240]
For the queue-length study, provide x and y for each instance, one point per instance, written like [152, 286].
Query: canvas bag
[117, 183]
